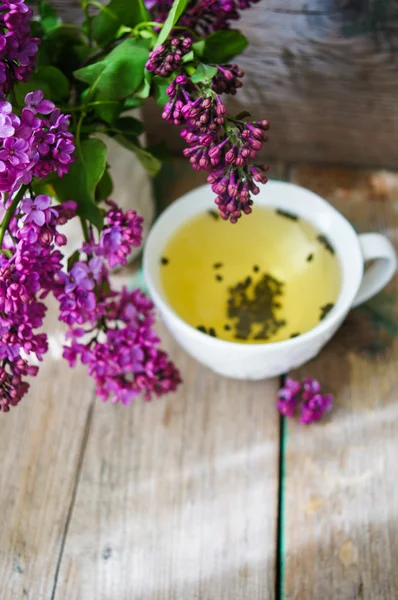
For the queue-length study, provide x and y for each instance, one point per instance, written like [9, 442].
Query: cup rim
[207, 203]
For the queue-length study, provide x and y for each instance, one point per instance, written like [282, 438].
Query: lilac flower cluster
[17, 49]
[29, 264]
[167, 57]
[112, 332]
[34, 144]
[203, 16]
[222, 145]
[227, 79]
[314, 404]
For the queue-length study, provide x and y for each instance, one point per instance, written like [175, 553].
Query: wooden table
[208, 494]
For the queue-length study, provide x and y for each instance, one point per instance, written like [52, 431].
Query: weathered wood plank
[340, 491]
[40, 444]
[178, 498]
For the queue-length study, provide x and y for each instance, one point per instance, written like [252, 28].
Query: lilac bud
[181, 80]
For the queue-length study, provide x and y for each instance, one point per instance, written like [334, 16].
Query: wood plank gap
[279, 554]
[82, 453]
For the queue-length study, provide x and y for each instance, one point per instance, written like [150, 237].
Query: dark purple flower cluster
[227, 79]
[220, 144]
[167, 57]
[112, 332]
[29, 264]
[17, 49]
[314, 404]
[34, 144]
[203, 16]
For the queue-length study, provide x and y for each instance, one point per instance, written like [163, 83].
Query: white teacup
[259, 361]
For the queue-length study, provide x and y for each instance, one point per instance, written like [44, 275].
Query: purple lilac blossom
[17, 48]
[31, 145]
[203, 16]
[308, 395]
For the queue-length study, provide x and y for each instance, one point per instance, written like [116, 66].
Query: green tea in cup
[270, 277]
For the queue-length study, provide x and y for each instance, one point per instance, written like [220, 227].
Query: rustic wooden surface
[340, 506]
[178, 498]
[41, 447]
[206, 494]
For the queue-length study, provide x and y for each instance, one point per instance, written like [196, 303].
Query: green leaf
[150, 163]
[104, 187]
[130, 126]
[199, 48]
[160, 85]
[83, 177]
[65, 48]
[204, 73]
[109, 110]
[73, 258]
[221, 46]
[48, 16]
[188, 57]
[130, 103]
[116, 14]
[120, 73]
[145, 88]
[175, 13]
[56, 80]
[50, 80]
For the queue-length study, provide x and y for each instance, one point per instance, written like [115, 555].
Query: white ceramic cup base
[260, 361]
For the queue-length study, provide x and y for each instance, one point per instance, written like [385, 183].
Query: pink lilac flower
[288, 397]
[17, 48]
[308, 395]
[35, 210]
[127, 362]
[203, 16]
[167, 57]
[227, 80]
[31, 145]
[122, 231]
[25, 279]
[35, 101]
[225, 147]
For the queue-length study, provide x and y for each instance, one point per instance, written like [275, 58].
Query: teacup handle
[375, 247]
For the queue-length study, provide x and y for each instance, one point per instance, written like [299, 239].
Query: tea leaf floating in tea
[310, 257]
[252, 306]
[325, 242]
[164, 260]
[325, 310]
[219, 277]
[286, 214]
